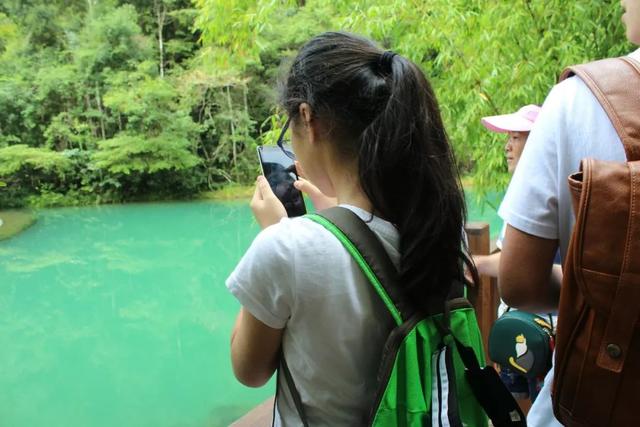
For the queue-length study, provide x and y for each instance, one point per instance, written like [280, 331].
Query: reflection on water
[118, 315]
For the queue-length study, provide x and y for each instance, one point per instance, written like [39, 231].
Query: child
[367, 130]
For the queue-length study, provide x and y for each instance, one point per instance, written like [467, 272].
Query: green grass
[15, 221]
[229, 192]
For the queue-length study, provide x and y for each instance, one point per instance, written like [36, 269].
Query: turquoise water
[485, 211]
[118, 315]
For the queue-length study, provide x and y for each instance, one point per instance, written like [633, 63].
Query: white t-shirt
[571, 126]
[296, 275]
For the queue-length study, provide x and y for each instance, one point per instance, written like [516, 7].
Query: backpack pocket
[422, 381]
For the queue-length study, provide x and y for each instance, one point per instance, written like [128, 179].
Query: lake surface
[118, 316]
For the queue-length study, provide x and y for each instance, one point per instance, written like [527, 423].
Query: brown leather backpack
[597, 374]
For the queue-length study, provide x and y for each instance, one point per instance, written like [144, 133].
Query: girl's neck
[346, 185]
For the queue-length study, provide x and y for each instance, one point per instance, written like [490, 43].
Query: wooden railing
[484, 298]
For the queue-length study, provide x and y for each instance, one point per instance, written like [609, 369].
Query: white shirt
[571, 126]
[297, 275]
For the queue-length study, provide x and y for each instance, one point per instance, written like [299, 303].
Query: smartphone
[280, 172]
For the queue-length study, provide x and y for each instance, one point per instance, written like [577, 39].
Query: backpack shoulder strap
[363, 244]
[615, 82]
[367, 250]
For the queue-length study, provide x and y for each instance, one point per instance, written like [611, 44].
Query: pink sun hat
[520, 121]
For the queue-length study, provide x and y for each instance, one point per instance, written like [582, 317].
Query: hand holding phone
[280, 172]
[266, 207]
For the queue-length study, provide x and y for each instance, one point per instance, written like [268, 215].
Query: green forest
[106, 101]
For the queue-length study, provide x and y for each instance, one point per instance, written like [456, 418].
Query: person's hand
[487, 265]
[467, 275]
[266, 207]
[318, 198]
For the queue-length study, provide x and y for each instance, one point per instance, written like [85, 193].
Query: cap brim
[507, 123]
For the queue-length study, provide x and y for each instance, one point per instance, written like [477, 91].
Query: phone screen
[281, 174]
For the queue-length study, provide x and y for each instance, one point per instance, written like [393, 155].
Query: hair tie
[386, 59]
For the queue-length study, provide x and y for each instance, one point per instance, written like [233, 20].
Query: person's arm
[487, 265]
[535, 203]
[255, 346]
[525, 277]
[254, 350]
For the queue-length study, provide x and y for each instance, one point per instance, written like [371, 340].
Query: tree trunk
[245, 91]
[161, 14]
[87, 101]
[99, 102]
[233, 134]
[208, 162]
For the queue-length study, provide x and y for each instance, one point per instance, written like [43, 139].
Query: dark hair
[381, 109]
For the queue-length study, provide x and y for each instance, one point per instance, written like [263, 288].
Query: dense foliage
[104, 101]
[107, 100]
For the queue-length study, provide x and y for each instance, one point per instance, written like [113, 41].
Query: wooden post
[485, 298]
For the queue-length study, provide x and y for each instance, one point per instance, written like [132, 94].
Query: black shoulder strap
[295, 395]
[378, 259]
[494, 397]
[368, 244]
[371, 249]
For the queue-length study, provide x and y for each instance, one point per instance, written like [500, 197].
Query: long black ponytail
[381, 110]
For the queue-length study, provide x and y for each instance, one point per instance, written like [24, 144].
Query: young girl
[367, 131]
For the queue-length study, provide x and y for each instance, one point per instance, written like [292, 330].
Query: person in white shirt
[537, 207]
[367, 130]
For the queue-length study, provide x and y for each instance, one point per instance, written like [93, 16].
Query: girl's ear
[305, 113]
[310, 126]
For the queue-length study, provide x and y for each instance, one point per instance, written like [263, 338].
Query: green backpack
[422, 380]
